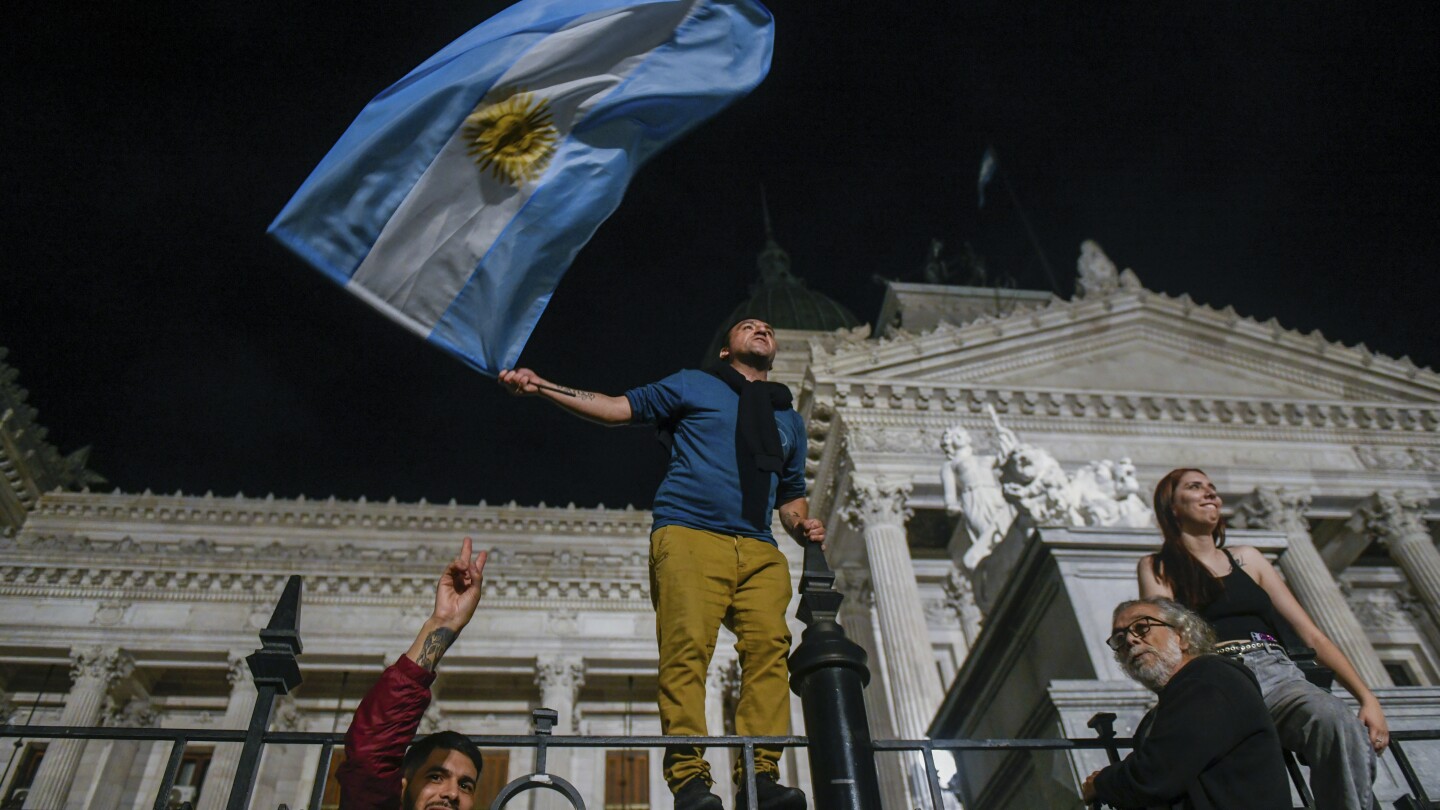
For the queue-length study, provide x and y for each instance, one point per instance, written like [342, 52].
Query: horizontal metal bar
[562, 741]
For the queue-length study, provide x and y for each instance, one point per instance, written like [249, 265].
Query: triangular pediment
[1136, 341]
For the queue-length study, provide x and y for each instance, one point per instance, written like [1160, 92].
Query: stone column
[116, 764]
[877, 509]
[857, 616]
[559, 678]
[1309, 578]
[1397, 519]
[226, 759]
[93, 671]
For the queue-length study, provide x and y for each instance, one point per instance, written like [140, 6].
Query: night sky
[1278, 157]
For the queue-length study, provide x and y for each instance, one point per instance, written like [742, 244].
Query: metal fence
[828, 672]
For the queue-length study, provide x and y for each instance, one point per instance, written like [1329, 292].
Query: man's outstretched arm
[599, 408]
[457, 595]
[386, 720]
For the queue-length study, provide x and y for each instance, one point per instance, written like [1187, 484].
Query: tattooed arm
[457, 595]
[795, 517]
[599, 408]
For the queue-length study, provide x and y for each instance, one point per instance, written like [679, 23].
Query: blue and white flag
[458, 198]
[988, 164]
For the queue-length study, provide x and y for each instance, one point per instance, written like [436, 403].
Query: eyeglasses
[1140, 628]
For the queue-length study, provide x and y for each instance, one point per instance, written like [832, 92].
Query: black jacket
[1208, 744]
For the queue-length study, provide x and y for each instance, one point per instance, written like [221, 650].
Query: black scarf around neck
[758, 453]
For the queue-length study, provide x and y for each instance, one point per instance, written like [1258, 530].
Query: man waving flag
[458, 198]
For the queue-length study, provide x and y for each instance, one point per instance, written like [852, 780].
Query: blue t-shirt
[701, 489]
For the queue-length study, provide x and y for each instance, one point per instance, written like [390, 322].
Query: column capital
[877, 501]
[560, 672]
[288, 716]
[105, 665]
[1391, 517]
[1275, 509]
[137, 712]
[237, 670]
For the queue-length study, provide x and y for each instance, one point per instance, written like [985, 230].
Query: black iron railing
[828, 673]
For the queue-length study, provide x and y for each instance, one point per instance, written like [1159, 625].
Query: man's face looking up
[753, 341]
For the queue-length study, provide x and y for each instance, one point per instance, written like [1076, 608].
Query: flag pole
[1025, 220]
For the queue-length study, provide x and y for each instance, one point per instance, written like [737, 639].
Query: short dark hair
[421, 749]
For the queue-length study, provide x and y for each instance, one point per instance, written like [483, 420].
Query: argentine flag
[458, 198]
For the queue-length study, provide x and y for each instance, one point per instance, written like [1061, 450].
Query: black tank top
[1243, 611]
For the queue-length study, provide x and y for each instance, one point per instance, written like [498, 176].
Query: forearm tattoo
[791, 519]
[576, 392]
[435, 646]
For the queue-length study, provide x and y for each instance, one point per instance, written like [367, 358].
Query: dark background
[1277, 157]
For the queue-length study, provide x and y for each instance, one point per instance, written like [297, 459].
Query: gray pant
[1321, 728]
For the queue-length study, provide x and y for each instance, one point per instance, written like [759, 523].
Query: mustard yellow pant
[698, 581]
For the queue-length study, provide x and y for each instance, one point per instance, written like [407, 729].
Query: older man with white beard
[1209, 742]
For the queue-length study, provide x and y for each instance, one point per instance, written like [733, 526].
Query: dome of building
[783, 301]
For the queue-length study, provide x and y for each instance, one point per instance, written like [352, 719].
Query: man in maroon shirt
[438, 771]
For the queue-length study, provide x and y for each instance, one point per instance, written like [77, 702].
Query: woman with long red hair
[1253, 612]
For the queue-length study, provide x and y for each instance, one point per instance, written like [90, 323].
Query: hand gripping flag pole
[458, 198]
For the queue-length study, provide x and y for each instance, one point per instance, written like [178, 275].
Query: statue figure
[1100, 493]
[973, 491]
[937, 270]
[1031, 479]
[1097, 274]
[1107, 493]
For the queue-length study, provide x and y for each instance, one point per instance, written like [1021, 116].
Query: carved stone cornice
[1158, 409]
[1137, 305]
[1391, 517]
[49, 567]
[1281, 510]
[331, 514]
[877, 502]
[99, 667]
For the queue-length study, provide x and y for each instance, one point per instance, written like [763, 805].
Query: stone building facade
[136, 608]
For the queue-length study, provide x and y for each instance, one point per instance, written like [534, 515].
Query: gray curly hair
[1197, 634]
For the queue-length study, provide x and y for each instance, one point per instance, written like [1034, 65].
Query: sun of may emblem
[514, 137]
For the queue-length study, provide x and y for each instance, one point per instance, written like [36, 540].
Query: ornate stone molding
[1281, 510]
[110, 612]
[1391, 517]
[46, 567]
[240, 511]
[886, 439]
[1382, 457]
[1229, 412]
[877, 502]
